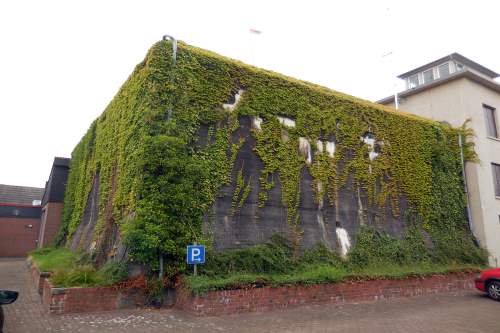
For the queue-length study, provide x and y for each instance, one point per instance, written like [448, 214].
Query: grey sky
[61, 62]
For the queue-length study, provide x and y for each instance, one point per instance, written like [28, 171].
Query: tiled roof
[21, 195]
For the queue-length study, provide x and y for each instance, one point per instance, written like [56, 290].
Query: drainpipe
[169, 116]
[469, 215]
[174, 58]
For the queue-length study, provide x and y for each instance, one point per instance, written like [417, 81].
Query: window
[460, 67]
[496, 178]
[491, 121]
[444, 70]
[412, 81]
[428, 76]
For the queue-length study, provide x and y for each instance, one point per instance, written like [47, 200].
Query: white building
[454, 89]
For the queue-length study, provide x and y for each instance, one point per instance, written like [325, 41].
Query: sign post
[195, 255]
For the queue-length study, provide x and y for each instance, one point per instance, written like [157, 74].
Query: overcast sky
[61, 62]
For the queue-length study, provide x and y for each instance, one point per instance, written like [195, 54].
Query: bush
[82, 276]
[113, 272]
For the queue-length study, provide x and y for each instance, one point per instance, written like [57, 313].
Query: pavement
[469, 312]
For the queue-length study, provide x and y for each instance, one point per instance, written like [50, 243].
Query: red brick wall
[16, 238]
[37, 276]
[52, 213]
[77, 300]
[264, 299]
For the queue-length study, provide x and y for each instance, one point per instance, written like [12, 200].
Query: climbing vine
[160, 182]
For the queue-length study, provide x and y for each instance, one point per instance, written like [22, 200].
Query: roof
[457, 57]
[56, 185]
[21, 195]
[454, 76]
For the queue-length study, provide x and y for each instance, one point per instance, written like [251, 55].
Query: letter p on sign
[195, 254]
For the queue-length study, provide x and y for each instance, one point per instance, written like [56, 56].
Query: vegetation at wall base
[273, 265]
[156, 183]
[75, 269]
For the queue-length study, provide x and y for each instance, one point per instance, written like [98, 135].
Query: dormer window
[459, 67]
[444, 70]
[413, 81]
[428, 76]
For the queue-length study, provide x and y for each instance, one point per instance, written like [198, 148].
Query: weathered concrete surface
[252, 225]
[461, 313]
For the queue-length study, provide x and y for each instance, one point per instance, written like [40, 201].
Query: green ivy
[157, 184]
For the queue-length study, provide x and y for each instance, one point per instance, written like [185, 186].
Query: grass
[321, 273]
[73, 269]
[51, 259]
[262, 265]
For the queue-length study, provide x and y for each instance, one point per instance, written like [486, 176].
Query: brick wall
[17, 238]
[223, 302]
[37, 277]
[51, 219]
[77, 300]
[264, 299]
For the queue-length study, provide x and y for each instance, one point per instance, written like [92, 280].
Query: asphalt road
[466, 312]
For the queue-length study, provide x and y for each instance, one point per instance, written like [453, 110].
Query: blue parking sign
[195, 254]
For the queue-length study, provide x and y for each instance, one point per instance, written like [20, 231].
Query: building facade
[454, 89]
[30, 216]
[52, 201]
[20, 211]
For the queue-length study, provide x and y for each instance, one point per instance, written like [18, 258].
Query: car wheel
[494, 290]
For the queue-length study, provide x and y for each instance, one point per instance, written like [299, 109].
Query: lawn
[321, 273]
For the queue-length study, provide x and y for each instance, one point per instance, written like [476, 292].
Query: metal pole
[469, 215]
[195, 271]
[174, 60]
[161, 267]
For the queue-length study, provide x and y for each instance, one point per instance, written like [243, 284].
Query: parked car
[489, 282]
[6, 297]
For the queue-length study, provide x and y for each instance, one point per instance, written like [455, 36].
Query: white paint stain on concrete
[344, 241]
[361, 215]
[305, 149]
[373, 155]
[319, 188]
[321, 224]
[237, 97]
[257, 123]
[369, 140]
[330, 148]
[319, 146]
[287, 122]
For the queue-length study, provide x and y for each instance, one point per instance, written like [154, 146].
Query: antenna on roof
[174, 59]
[396, 99]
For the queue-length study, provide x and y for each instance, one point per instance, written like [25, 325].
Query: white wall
[454, 102]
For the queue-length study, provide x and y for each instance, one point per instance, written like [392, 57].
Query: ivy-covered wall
[247, 153]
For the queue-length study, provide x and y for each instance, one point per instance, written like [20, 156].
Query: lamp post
[174, 59]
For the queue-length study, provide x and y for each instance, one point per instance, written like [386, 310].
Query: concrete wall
[318, 223]
[455, 102]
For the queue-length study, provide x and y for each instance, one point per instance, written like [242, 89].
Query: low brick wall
[267, 298]
[37, 276]
[76, 300]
